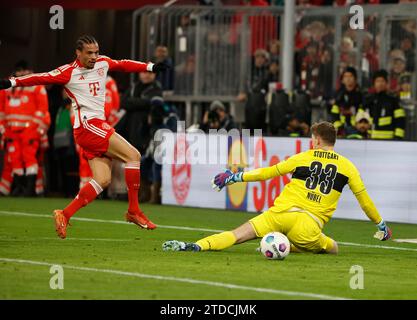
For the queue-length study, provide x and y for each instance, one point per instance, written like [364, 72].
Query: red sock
[86, 194]
[132, 177]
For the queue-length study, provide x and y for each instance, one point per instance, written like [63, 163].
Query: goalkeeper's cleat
[175, 245]
[140, 220]
[61, 223]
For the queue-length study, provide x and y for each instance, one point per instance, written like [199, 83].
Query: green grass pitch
[110, 259]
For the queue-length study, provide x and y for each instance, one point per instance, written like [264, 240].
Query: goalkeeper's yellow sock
[217, 241]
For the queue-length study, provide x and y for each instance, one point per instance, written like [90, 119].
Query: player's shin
[86, 195]
[132, 177]
[217, 241]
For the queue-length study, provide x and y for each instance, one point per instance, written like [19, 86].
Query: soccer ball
[275, 246]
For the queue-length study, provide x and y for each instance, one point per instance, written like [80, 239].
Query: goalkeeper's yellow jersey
[318, 178]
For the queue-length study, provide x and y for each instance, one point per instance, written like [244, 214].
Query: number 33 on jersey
[318, 178]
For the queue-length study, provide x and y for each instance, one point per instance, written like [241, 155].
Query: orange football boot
[61, 223]
[140, 219]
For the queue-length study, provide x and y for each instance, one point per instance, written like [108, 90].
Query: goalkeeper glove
[383, 233]
[160, 66]
[226, 178]
[5, 84]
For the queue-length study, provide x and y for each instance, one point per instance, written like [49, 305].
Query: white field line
[34, 215]
[89, 239]
[184, 280]
[76, 239]
[374, 246]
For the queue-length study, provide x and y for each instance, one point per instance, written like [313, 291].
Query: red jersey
[24, 107]
[85, 87]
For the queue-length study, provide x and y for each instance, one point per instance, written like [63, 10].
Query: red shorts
[93, 137]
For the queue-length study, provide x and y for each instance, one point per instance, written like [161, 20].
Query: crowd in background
[36, 137]
[364, 101]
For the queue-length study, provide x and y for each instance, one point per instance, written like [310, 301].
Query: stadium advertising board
[386, 167]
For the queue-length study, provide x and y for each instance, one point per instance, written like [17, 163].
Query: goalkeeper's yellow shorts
[299, 227]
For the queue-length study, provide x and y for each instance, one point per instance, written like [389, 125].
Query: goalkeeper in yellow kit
[305, 205]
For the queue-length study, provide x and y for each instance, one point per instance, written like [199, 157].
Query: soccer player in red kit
[84, 80]
[25, 119]
[111, 108]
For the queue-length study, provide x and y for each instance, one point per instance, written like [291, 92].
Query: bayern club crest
[181, 170]
[106, 126]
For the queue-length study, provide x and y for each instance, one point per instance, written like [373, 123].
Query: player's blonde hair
[326, 131]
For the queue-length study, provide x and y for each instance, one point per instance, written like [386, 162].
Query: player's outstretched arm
[127, 65]
[367, 205]
[228, 177]
[58, 76]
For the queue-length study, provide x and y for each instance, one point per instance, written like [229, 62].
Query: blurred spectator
[370, 61]
[213, 121]
[184, 76]
[405, 86]
[272, 77]
[396, 53]
[166, 77]
[362, 126]
[136, 101]
[347, 102]
[397, 67]
[314, 56]
[260, 67]
[64, 153]
[407, 46]
[217, 118]
[162, 116]
[279, 108]
[347, 53]
[274, 50]
[326, 73]
[310, 69]
[272, 80]
[388, 117]
[256, 89]
[295, 127]
[25, 121]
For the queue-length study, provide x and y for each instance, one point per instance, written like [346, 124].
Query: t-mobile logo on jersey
[94, 87]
